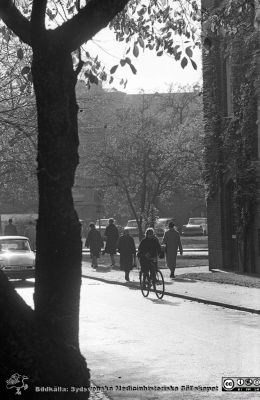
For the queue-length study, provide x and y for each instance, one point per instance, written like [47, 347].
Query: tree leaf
[29, 77]
[160, 53]
[178, 56]
[184, 62]
[25, 70]
[193, 64]
[136, 50]
[134, 70]
[141, 42]
[20, 54]
[122, 62]
[189, 52]
[93, 78]
[113, 69]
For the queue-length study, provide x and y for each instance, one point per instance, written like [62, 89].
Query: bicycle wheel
[144, 284]
[159, 286]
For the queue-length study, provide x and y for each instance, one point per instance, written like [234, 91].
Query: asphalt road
[131, 341]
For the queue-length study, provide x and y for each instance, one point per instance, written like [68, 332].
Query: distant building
[231, 96]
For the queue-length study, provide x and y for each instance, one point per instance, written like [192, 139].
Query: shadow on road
[163, 302]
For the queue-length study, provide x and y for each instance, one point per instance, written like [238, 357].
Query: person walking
[126, 248]
[172, 242]
[95, 243]
[30, 233]
[10, 229]
[111, 236]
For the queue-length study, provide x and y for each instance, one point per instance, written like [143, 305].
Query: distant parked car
[132, 227]
[195, 226]
[17, 260]
[161, 226]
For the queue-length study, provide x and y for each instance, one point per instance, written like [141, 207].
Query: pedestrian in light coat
[172, 242]
[111, 236]
[126, 248]
[94, 242]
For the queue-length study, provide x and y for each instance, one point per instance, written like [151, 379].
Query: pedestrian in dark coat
[111, 236]
[10, 229]
[172, 243]
[148, 252]
[126, 248]
[94, 242]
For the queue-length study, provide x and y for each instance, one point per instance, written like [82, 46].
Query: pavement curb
[184, 257]
[182, 296]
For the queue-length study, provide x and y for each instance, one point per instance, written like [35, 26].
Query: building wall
[215, 232]
[225, 65]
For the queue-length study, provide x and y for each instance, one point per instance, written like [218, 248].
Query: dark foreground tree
[53, 327]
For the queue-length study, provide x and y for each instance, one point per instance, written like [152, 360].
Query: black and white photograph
[130, 199]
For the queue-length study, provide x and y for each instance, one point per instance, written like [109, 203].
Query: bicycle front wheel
[144, 284]
[159, 286]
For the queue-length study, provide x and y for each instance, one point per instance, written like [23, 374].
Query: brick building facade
[231, 97]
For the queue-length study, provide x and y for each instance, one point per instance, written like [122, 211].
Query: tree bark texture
[29, 348]
[58, 260]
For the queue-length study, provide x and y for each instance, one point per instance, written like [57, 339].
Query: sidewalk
[219, 294]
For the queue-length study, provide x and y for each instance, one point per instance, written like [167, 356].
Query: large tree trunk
[28, 348]
[58, 260]
[43, 345]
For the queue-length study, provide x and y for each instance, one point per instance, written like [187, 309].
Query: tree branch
[13, 18]
[88, 22]
[38, 18]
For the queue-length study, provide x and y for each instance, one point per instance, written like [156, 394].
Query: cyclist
[148, 252]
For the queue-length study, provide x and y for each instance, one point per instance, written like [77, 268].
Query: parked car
[132, 227]
[161, 226]
[195, 226]
[17, 260]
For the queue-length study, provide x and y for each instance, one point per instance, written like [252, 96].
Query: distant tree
[148, 159]
[18, 129]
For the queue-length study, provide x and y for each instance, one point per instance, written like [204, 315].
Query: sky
[154, 74]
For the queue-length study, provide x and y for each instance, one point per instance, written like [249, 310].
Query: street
[129, 340]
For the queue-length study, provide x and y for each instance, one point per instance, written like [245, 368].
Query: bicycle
[147, 282]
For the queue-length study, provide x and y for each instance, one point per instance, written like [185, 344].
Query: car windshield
[132, 223]
[14, 245]
[197, 221]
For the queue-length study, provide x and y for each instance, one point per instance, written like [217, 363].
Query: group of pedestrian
[94, 242]
[148, 252]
